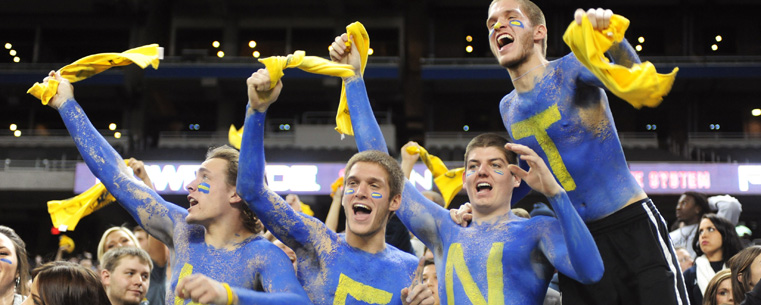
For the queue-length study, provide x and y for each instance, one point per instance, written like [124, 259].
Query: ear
[517, 180]
[540, 32]
[740, 277]
[395, 203]
[235, 198]
[105, 277]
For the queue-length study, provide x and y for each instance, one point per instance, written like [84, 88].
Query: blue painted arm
[278, 280]
[152, 212]
[574, 252]
[367, 132]
[623, 54]
[294, 229]
[422, 216]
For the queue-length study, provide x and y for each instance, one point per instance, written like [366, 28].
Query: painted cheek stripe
[6, 260]
[499, 172]
[349, 192]
[516, 23]
[376, 195]
[204, 187]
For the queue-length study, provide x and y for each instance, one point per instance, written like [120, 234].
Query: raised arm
[571, 249]
[294, 229]
[367, 132]
[147, 208]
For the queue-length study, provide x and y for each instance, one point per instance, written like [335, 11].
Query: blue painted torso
[565, 116]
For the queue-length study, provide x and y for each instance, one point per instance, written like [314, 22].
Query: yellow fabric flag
[306, 209]
[96, 63]
[640, 85]
[235, 136]
[356, 31]
[66, 213]
[336, 184]
[448, 181]
[64, 240]
[313, 64]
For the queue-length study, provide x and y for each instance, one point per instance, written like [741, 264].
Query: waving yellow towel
[639, 85]
[66, 213]
[448, 181]
[94, 64]
[235, 136]
[313, 64]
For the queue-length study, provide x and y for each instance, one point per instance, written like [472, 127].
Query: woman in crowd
[746, 271]
[717, 241]
[66, 283]
[719, 290]
[14, 268]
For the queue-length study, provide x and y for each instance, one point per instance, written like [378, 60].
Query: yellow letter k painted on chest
[537, 126]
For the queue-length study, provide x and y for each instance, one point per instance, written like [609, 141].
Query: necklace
[532, 69]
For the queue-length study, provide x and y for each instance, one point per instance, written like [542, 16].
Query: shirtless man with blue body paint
[560, 110]
[357, 267]
[499, 258]
[215, 252]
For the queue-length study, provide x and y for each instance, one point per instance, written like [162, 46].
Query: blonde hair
[102, 243]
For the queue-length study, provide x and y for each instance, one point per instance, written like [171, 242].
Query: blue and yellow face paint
[5, 260]
[204, 187]
[516, 23]
[349, 191]
[494, 28]
[376, 195]
[499, 172]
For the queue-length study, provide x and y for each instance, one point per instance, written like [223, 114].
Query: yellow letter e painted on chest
[494, 274]
[361, 292]
[537, 126]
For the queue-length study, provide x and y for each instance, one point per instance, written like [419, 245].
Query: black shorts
[640, 264]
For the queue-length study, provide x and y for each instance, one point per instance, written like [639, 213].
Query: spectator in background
[14, 268]
[719, 291]
[684, 257]
[66, 283]
[746, 274]
[690, 209]
[717, 242]
[126, 275]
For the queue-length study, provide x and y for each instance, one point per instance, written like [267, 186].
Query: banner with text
[316, 178]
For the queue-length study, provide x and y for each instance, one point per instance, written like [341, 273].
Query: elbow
[594, 275]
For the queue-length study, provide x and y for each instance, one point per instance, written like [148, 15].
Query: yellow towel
[448, 181]
[306, 209]
[94, 64]
[639, 85]
[336, 184]
[235, 136]
[64, 240]
[66, 213]
[356, 31]
[276, 64]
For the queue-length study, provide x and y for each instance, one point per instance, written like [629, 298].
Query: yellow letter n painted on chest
[537, 126]
[361, 292]
[494, 275]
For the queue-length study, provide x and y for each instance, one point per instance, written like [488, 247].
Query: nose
[192, 186]
[482, 169]
[361, 190]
